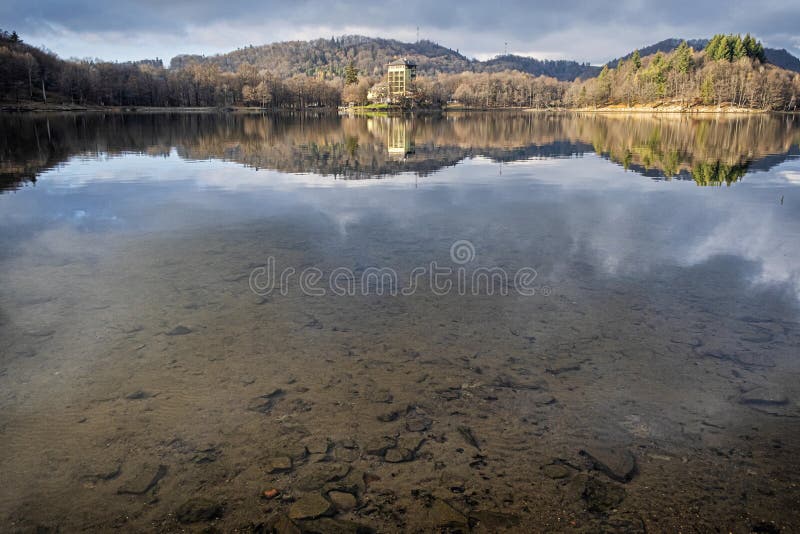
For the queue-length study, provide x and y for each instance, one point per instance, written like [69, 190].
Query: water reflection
[710, 151]
[141, 379]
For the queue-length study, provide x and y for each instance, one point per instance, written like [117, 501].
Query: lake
[489, 321]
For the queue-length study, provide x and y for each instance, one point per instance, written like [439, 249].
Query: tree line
[730, 70]
[29, 73]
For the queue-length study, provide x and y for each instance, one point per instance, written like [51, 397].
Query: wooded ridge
[725, 71]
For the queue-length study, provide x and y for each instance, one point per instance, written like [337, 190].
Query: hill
[370, 55]
[779, 57]
[561, 69]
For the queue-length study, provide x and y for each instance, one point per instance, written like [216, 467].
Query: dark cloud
[596, 31]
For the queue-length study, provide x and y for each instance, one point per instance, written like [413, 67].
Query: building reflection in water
[400, 137]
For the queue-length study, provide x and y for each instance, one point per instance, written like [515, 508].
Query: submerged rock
[317, 445]
[417, 421]
[264, 403]
[493, 521]
[399, 454]
[602, 496]
[280, 464]
[442, 515]
[555, 471]
[342, 500]
[138, 395]
[310, 506]
[180, 330]
[769, 400]
[329, 525]
[469, 436]
[319, 474]
[199, 509]
[764, 396]
[143, 480]
[388, 417]
[281, 523]
[617, 463]
[379, 445]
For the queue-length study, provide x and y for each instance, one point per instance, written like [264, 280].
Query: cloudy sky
[586, 31]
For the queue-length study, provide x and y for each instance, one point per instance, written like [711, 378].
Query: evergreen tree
[712, 48]
[636, 59]
[725, 50]
[350, 74]
[707, 93]
[730, 47]
[683, 58]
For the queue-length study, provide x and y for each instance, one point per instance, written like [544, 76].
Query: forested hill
[776, 56]
[370, 55]
[560, 69]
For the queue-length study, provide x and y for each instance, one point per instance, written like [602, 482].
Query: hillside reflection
[710, 151]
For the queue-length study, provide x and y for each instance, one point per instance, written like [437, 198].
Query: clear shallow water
[648, 383]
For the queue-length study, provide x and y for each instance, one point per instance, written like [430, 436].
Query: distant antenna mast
[417, 33]
[505, 50]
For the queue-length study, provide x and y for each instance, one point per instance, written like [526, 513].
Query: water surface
[648, 381]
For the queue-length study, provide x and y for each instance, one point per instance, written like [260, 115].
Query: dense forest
[330, 58]
[729, 70]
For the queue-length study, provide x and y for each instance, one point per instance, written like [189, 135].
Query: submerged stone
[493, 521]
[602, 496]
[555, 471]
[280, 464]
[180, 330]
[310, 506]
[342, 500]
[199, 509]
[442, 515]
[617, 463]
[399, 454]
[143, 480]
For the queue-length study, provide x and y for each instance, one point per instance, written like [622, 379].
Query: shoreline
[666, 109]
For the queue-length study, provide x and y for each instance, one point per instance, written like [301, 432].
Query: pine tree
[707, 90]
[739, 49]
[730, 47]
[712, 48]
[636, 59]
[350, 74]
[683, 58]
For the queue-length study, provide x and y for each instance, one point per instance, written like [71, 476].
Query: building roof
[400, 62]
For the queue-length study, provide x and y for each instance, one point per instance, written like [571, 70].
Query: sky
[594, 32]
